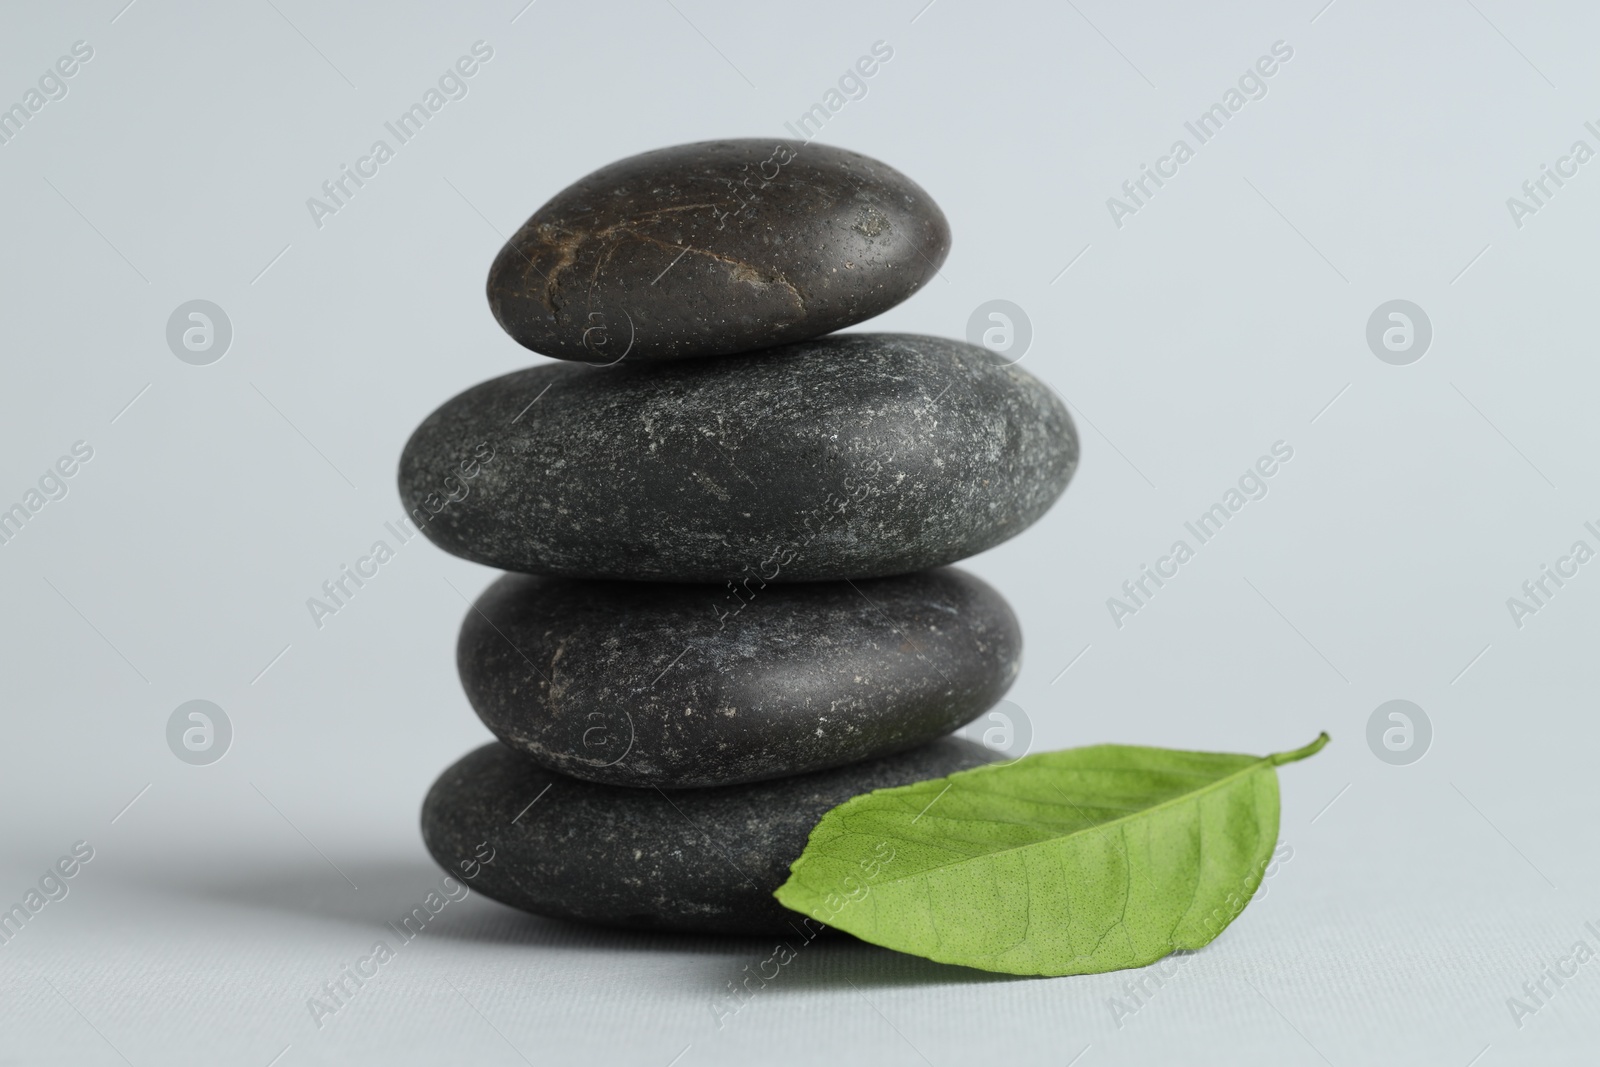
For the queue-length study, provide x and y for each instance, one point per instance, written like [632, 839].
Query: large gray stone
[715, 248]
[850, 456]
[693, 860]
[681, 686]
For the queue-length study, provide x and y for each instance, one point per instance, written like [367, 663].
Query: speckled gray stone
[686, 686]
[715, 248]
[850, 456]
[694, 860]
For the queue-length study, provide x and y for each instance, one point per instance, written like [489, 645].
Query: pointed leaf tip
[1280, 758]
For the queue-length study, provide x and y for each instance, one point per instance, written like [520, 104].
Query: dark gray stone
[685, 686]
[850, 456]
[715, 248]
[704, 860]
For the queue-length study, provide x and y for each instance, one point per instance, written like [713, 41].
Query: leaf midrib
[1182, 798]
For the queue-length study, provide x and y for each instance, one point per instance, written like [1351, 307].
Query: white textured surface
[1224, 316]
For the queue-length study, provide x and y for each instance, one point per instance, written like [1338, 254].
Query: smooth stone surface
[851, 456]
[683, 686]
[714, 248]
[705, 860]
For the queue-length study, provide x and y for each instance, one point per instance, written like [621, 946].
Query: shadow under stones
[387, 890]
[382, 890]
[831, 960]
[839, 961]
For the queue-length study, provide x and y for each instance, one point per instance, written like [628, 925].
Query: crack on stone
[566, 244]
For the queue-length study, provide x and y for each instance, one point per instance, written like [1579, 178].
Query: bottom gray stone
[703, 860]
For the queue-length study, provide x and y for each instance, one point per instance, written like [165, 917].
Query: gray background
[1223, 317]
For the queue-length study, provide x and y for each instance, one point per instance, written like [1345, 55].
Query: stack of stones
[730, 530]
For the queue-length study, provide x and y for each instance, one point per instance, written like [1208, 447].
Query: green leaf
[1071, 862]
